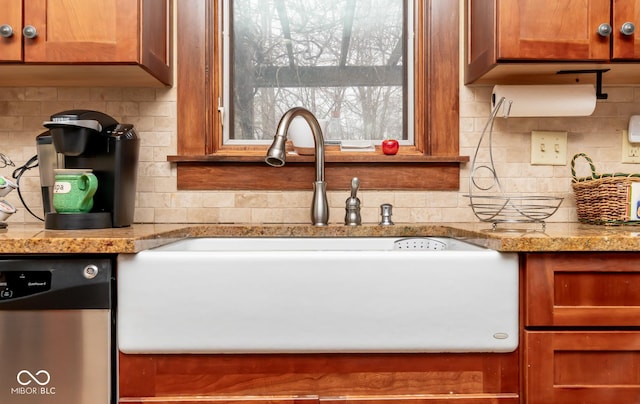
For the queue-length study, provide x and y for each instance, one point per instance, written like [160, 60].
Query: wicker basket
[602, 198]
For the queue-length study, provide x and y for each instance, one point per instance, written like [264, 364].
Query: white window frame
[225, 14]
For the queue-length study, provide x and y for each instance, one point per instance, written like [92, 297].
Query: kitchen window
[426, 116]
[344, 60]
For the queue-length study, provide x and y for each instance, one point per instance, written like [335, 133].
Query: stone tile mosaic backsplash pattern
[153, 112]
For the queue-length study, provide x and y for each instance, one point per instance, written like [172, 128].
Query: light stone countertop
[34, 239]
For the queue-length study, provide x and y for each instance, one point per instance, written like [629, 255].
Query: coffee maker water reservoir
[85, 139]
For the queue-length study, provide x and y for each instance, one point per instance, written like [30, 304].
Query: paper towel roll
[545, 100]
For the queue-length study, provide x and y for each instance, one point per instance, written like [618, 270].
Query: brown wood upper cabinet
[512, 31]
[42, 38]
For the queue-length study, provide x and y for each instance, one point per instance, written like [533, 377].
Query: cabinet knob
[6, 31]
[604, 29]
[628, 28]
[30, 32]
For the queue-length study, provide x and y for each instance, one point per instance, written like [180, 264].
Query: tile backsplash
[153, 112]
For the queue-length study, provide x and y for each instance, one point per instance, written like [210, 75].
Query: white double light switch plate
[548, 148]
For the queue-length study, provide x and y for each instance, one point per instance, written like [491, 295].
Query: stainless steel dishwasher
[57, 330]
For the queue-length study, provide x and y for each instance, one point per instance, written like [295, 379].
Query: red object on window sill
[390, 146]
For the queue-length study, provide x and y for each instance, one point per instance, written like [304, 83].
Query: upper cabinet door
[11, 31]
[626, 37]
[81, 31]
[553, 29]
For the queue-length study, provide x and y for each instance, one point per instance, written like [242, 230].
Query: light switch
[548, 148]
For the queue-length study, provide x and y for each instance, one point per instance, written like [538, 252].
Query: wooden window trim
[203, 163]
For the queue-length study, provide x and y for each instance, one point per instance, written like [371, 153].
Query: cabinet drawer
[582, 367]
[582, 289]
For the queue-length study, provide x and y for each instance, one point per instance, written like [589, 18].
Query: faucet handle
[352, 216]
[355, 184]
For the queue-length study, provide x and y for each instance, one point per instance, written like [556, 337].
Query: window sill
[339, 157]
[248, 171]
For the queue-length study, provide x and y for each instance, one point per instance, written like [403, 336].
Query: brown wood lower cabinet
[582, 367]
[582, 328]
[320, 378]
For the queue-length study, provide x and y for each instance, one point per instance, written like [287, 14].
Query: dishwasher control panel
[16, 284]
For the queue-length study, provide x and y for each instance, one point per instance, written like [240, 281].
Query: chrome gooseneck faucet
[276, 157]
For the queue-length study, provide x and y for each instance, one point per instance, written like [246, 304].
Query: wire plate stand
[487, 198]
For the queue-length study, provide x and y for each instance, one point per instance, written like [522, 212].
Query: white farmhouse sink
[263, 295]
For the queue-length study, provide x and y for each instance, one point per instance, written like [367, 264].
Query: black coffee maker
[90, 139]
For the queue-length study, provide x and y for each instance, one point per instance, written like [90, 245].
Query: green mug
[73, 190]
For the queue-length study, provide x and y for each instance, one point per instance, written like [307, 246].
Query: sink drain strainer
[419, 243]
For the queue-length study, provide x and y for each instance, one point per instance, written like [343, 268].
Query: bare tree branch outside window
[341, 59]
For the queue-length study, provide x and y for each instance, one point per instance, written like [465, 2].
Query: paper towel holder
[545, 100]
[598, 72]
